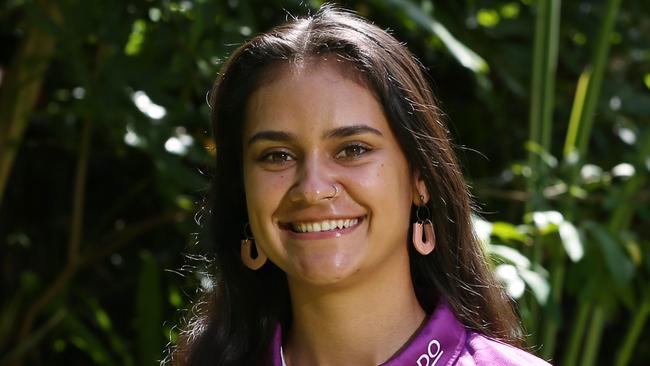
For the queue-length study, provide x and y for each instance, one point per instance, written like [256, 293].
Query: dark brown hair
[234, 322]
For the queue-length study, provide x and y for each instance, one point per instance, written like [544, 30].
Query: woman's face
[308, 130]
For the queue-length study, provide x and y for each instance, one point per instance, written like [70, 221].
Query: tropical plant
[105, 155]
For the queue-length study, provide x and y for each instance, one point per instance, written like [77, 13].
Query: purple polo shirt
[444, 341]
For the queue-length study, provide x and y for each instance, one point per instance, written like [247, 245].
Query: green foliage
[149, 311]
[93, 236]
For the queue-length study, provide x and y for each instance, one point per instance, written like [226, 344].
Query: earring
[429, 244]
[247, 255]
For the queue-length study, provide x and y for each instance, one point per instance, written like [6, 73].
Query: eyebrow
[272, 136]
[339, 132]
[351, 131]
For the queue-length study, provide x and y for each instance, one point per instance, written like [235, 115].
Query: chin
[326, 270]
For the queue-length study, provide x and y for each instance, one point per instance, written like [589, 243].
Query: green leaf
[84, 339]
[619, 265]
[510, 254]
[175, 297]
[571, 241]
[136, 38]
[510, 10]
[537, 283]
[488, 18]
[506, 231]
[547, 221]
[116, 342]
[149, 302]
[539, 151]
[458, 50]
[509, 277]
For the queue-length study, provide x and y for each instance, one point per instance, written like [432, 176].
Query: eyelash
[270, 156]
[357, 146]
[285, 157]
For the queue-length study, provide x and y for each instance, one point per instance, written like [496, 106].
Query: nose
[315, 183]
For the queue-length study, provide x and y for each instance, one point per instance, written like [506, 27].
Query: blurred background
[105, 157]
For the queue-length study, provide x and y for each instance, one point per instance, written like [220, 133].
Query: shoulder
[480, 350]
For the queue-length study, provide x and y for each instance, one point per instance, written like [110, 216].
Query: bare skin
[365, 325]
[312, 133]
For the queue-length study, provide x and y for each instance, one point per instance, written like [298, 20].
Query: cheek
[394, 186]
[383, 188]
[390, 179]
[264, 191]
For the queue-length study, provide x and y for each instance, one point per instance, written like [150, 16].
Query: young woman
[339, 216]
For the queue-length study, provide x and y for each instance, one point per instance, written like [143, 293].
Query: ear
[419, 189]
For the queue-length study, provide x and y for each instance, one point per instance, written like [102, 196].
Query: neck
[361, 324]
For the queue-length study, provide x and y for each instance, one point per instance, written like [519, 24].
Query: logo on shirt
[434, 352]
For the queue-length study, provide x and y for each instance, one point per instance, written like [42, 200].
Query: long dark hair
[234, 322]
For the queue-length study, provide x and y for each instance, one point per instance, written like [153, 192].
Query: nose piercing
[336, 193]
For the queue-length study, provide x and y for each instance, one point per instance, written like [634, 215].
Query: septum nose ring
[336, 193]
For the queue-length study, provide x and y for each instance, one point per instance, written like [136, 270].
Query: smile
[325, 225]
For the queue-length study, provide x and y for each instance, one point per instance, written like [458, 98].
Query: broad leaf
[571, 241]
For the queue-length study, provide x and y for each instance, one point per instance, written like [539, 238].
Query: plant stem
[21, 88]
[599, 62]
[577, 111]
[533, 327]
[570, 153]
[571, 354]
[577, 141]
[553, 312]
[632, 336]
[592, 342]
[541, 114]
[545, 53]
[74, 241]
[128, 234]
[34, 338]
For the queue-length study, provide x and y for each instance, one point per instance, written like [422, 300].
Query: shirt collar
[439, 341]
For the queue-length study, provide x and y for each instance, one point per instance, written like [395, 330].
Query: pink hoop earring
[429, 244]
[247, 255]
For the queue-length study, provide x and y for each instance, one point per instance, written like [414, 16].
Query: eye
[276, 157]
[352, 151]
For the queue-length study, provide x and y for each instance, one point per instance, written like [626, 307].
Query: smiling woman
[315, 131]
[332, 150]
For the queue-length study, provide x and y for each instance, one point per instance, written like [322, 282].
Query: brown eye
[276, 157]
[352, 151]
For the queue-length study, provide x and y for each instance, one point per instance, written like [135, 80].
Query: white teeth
[326, 225]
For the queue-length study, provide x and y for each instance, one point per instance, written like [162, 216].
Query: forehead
[299, 65]
[314, 93]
